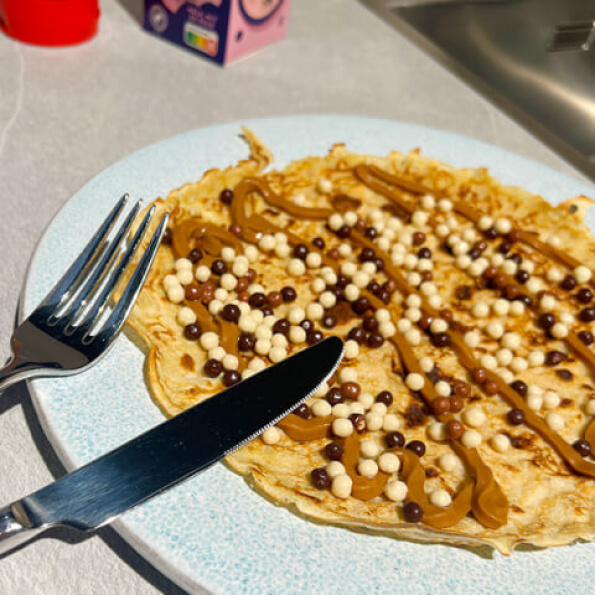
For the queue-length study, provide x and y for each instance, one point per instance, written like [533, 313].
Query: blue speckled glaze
[213, 532]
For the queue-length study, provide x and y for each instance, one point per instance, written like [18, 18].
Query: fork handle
[17, 370]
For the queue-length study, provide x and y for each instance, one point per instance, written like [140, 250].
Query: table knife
[99, 492]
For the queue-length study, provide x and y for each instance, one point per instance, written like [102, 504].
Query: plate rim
[164, 564]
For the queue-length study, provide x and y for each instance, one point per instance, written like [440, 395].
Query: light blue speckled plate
[213, 532]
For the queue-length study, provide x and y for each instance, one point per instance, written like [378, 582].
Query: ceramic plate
[213, 533]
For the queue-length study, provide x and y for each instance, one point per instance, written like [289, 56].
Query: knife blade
[97, 493]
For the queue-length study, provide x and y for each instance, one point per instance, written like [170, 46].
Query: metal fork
[69, 331]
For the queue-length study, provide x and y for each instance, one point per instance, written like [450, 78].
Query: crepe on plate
[463, 410]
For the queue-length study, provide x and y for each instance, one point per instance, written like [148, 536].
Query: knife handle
[12, 532]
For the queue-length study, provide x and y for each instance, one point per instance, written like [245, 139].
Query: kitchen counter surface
[66, 114]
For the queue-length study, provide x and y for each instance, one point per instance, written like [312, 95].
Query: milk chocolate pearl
[584, 295]
[370, 324]
[526, 299]
[219, 267]
[371, 233]
[300, 251]
[231, 313]
[413, 512]
[456, 403]
[514, 236]
[195, 255]
[281, 326]
[479, 375]
[425, 321]
[357, 334]
[242, 285]
[329, 321]
[520, 387]
[553, 358]
[394, 439]
[515, 417]
[251, 275]
[568, 283]
[231, 377]
[586, 337]
[313, 337]
[455, 429]
[192, 292]
[375, 340]
[490, 387]
[366, 255]
[359, 422]
[244, 296]
[192, 332]
[361, 305]
[289, 294]
[546, 321]
[350, 390]
[360, 225]
[385, 397]
[517, 258]
[440, 339]
[334, 451]
[302, 411]
[474, 253]
[257, 300]
[334, 396]
[418, 238]
[511, 292]
[417, 447]
[246, 342]
[333, 254]
[267, 311]
[440, 405]
[521, 276]
[319, 243]
[499, 279]
[461, 389]
[446, 314]
[320, 479]
[236, 229]
[490, 273]
[504, 247]
[582, 447]
[307, 324]
[490, 234]
[167, 236]
[424, 253]
[213, 368]
[389, 286]
[587, 315]
[226, 196]
[274, 298]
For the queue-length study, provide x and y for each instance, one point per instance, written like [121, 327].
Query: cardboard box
[221, 30]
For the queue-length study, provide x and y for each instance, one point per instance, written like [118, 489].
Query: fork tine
[63, 288]
[100, 302]
[100, 269]
[120, 312]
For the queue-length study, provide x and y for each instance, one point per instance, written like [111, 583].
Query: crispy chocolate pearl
[582, 447]
[226, 196]
[192, 332]
[213, 368]
[375, 340]
[236, 229]
[307, 324]
[424, 252]
[456, 403]
[490, 387]
[374, 287]
[366, 255]
[338, 292]
[251, 275]
[379, 263]
[481, 245]
[167, 236]
[504, 247]
[455, 429]
[192, 292]
[333, 254]
[319, 243]
[584, 295]
[511, 292]
[385, 295]
[514, 236]
[446, 314]
[440, 339]
[300, 251]
[342, 281]
[394, 439]
[474, 253]
[516, 258]
[490, 234]
[350, 390]
[231, 377]
[565, 375]
[520, 387]
[418, 238]
[359, 422]
[546, 321]
[526, 299]
[281, 326]
[461, 388]
[357, 334]
[274, 299]
[440, 405]
[360, 225]
[343, 232]
[334, 396]
[361, 305]
[522, 277]
[568, 283]
[246, 342]
[389, 286]
[370, 324]
[587, 315]
[320, 479]
[586, 337]
[413, 512]
[490, 273]
[417, 447]
[515, 417]
[219, 267]
[329, 321]
[242, 285]
[195, 255]
[313, 337]
[479, 375]
[244, 296]
[267, 311]
[334, 451]
[289, 294]
[302, 411]
[257, 300]
[425, 321]
[371, 232]
[231, 313]
[553, 358]
[385, 397]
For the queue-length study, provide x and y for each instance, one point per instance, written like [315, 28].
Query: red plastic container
[50, 22]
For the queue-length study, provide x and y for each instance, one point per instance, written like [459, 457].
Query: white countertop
[66, 114]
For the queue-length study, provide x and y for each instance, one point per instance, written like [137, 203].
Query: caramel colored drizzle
[590, 432]
[203, 316]
[302, 430]
[210, 238]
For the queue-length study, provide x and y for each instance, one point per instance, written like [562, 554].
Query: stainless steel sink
[533, 58]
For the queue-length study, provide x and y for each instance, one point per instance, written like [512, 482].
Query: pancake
[463, 410]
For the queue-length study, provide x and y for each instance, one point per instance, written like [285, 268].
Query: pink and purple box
[222, 30]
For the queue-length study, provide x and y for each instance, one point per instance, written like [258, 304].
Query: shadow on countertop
[19, 394]
[136, 9]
